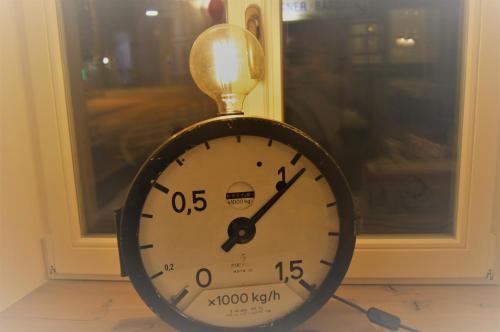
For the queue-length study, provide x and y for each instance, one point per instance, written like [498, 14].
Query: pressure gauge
[237, 223]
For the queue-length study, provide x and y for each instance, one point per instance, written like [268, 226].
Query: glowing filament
[225, 57]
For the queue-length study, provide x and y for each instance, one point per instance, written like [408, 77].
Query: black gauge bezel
[199, 133]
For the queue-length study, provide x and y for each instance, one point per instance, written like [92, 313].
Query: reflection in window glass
[130, 89]
[377, 84]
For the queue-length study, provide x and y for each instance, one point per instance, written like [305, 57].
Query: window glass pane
[377, 83]
[130, 89]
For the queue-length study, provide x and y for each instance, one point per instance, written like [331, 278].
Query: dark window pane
[376, 82]
[130, 89]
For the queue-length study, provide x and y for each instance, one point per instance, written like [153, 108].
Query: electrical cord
[378, 316]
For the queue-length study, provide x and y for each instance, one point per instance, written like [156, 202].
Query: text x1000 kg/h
[242, 298]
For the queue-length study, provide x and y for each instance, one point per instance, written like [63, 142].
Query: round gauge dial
[237, 223]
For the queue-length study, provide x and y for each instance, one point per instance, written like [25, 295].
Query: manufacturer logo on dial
[240, 195]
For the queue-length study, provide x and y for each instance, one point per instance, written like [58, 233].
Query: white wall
[22, 214]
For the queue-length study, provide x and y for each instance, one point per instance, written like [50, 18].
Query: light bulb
[226, 63]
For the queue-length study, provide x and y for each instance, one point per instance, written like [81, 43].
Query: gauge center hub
[242, 230]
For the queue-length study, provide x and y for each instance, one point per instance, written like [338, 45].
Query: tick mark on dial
[333, 233]
[160, 187]
[325, 262]
[179, 162]
[238, 139]
[306, 285]
[319, 177]
[270, 142]
[259, 164]
[179, 296]
[147, 246]
[296, 158]
[207, 145]
[189, 212]
[147, 215]
[156, 275]
[331, 204]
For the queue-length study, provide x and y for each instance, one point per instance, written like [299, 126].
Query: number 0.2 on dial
[242, 230]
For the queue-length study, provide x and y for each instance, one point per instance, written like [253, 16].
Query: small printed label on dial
[240, 195]
[239, 306]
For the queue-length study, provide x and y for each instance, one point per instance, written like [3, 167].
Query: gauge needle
[232, 240]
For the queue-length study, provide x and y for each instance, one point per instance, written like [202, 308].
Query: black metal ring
[222, 127]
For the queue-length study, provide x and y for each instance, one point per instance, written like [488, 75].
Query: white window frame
[467, 257]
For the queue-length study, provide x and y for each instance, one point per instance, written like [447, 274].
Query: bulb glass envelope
[227, 62]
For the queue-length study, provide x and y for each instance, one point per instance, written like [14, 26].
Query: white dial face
[239, 278]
